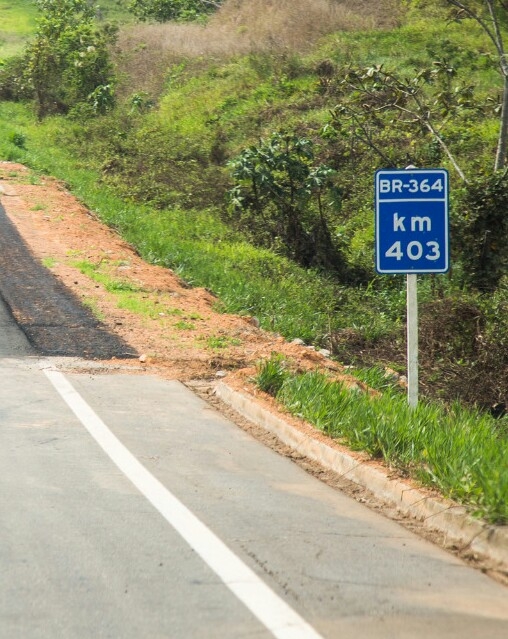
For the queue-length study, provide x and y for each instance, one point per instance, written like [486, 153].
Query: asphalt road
[129, 508]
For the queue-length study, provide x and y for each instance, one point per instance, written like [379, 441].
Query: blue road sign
[412, 221]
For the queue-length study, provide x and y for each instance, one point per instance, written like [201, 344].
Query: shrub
[14, 83]
[282, 200]
[69, 58]
[480, 228]
[165, 10]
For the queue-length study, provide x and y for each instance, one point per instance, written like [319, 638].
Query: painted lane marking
[277, 616]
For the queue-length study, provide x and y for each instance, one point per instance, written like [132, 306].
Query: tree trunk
[502, 142]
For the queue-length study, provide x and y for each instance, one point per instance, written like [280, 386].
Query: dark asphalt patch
[51, 316]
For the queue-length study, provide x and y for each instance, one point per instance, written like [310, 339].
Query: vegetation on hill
[244, 146]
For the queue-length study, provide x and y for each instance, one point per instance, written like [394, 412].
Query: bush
[480, 228]
[14, 83]
[69, 58]
[165, 10]
[282, 200]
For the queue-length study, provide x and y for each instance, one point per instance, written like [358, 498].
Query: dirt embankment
[148, 313]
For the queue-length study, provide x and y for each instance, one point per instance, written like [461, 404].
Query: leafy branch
[375, 98]
[488, 14]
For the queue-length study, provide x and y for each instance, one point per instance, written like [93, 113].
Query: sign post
[412, 339]
[412, 238]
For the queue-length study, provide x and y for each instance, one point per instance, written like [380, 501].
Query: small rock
[142, 358]
[325, 352]
[220, 374]
[298, 342]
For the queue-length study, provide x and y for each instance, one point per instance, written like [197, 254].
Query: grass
[17, 23]
[129, 296]
[49, 262]
[219, 342]
[182, 325]
[462, 453]
[134, 298]
[39, 207]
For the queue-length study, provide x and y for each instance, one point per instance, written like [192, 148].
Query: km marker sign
[412, 221]
[412, 238]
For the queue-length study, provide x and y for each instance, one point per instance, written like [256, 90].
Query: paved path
[97, 477]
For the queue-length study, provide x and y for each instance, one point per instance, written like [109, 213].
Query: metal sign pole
[412, 340]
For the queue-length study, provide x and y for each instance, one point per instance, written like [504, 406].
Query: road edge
[450, 519]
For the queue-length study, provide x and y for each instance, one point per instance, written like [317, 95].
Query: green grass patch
[183, 325]
[49, 262]
[462, 453]
[219, 342]
[17, 23]
[110, 284]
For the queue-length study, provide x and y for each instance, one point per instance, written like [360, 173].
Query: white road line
[279, 618]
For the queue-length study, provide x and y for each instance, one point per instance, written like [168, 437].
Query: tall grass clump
[462, 453]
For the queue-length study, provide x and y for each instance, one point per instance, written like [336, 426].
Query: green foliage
[14, 85]
[102, 98]
[271, 374]
[18, 139]
[68, 61]
[480, 229]
[375, 102]
[283, 200]
[141, 102]
[165, 10]
[460, 452]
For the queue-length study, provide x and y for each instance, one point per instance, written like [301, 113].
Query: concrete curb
[450, 519]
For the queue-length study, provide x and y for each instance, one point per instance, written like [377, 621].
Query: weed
[49, 262]
[18, 139]
[218, 342]
[271, 374]
[34, 179]
[182, 325]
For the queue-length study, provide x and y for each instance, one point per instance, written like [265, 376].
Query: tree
[281, 199]
[68, 62]
[489, 14]
[375, 100]
[165, 10]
